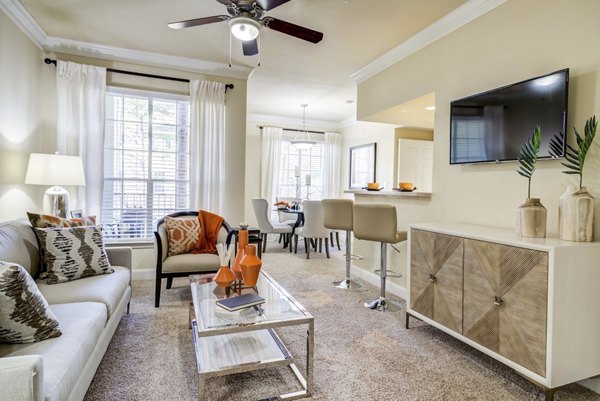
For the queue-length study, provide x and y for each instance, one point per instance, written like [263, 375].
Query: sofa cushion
[47, 220]
[107, 289]
[25, 316]
[18, 244]
[66, 356]
[191, 263]
[183, 234]
[72, 253]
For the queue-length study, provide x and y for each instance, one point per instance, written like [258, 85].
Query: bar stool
[338, 215]
[378, 223]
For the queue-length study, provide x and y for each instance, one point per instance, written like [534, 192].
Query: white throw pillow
[71, 253]
[25, 316]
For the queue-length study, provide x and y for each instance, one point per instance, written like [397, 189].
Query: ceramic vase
[242, 244]
[531, 219]
[224, 277]
[250, 266]
[576, 215]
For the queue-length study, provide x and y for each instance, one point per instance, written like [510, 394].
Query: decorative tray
[372, 189]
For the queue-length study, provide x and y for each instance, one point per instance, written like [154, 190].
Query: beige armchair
[182, 265]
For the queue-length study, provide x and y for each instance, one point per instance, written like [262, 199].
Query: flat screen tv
[491, 126]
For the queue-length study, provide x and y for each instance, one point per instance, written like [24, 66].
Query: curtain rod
[141, 74]
[298, 130]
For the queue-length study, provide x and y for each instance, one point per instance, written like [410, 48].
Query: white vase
[576, 215]
[531, 219]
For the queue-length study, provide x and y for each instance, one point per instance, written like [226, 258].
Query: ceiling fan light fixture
[244, 28]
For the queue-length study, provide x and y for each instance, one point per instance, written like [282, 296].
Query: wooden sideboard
[533, 304]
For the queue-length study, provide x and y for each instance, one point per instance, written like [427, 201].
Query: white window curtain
[269, 163]
[207, 145]
[81, 98]
[331, 165]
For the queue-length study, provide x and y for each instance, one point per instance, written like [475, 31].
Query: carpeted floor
[359, 354]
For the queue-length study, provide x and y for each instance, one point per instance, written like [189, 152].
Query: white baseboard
[143, 274]
[374, 279]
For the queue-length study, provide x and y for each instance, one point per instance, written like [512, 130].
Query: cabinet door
[505, 301]
[436, 277]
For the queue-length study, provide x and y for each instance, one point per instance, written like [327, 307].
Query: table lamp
[55, 170]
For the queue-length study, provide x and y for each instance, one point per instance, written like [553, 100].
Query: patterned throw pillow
[72, 253]
[25, 316]
[47, 220]
[183, 235]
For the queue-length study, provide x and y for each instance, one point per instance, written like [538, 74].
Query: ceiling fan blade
[226, 2]
[270, 4]
[198, 21]
[288, 28]
[250, 47]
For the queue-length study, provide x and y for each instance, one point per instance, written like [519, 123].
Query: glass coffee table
[235, 342]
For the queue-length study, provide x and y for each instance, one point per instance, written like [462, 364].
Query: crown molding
[452, 21]
[291, 121]
[21, 17]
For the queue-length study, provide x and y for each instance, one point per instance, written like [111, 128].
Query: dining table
[299, 220]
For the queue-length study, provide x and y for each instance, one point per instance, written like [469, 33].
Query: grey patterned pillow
[25, 316]
[71, 253]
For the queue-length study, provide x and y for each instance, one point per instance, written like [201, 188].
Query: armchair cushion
[191, 263]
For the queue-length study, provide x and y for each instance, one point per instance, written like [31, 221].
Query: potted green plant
[531, 215]
[576, 205]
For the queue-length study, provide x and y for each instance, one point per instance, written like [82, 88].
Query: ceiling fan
[247, 17]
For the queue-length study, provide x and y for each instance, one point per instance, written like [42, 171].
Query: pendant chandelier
[302, 139]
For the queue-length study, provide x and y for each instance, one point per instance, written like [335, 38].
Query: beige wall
[516, 41]
[24, 125]
[362, 133]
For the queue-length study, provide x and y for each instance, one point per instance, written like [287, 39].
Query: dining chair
[313, 228]
[261, 211]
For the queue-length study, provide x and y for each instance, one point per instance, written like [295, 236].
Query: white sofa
[88, 310]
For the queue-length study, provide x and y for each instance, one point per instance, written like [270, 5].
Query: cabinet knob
[498, 301]
[432, 278]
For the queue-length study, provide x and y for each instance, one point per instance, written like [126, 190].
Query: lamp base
[56, 201]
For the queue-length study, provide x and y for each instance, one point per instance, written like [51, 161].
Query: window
[146, 161]
[310, 162]
[469, 143]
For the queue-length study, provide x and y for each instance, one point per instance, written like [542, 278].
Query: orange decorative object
[224, 277]
[250, 266]
[242, 244]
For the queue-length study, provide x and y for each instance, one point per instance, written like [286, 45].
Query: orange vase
[224, 277]
[250, 266]
[242, 244]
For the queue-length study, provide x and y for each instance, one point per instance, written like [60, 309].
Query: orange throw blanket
[210, 225]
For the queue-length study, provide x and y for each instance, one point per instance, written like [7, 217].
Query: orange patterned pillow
[49, 221]
[183, 235]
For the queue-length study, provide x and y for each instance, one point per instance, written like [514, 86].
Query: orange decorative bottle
[242, 244]
[250, 266]
[224, 277]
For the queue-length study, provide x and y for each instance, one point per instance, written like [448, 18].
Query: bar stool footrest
[389, 273]
[356, 257]
[350, 285]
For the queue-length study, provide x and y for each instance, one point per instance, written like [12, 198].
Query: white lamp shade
[244, 28]
[51, 169]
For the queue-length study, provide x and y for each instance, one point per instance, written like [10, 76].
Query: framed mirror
[363, 160]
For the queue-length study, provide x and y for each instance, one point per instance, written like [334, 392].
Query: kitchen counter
[414, 194]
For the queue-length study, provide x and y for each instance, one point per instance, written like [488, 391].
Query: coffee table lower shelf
[228, 354]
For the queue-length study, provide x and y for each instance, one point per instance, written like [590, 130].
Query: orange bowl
[406, 185]
[373, 185]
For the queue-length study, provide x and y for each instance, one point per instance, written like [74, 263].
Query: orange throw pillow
[183, 235]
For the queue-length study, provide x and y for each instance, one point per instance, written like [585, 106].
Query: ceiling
[291, 71]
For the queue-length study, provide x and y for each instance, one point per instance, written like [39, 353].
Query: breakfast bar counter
[400, 194]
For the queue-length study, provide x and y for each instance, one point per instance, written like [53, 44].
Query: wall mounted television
[490, 127]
